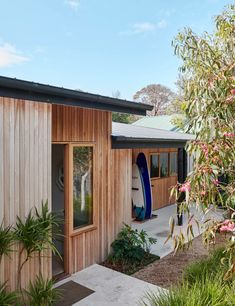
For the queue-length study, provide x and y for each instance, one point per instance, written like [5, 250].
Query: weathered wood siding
[25, 172]
[161, 187]
[112, 181]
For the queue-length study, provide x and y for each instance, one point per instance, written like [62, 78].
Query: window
[164, 164]
[173, 163]
[154, 165]
[82, 186]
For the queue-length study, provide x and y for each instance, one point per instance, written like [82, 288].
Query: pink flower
[227, 226]
[215, 182]
[232, 91]
[226, 222]
[229, 99]
[229, 134]
[185, 187]
[203, 193]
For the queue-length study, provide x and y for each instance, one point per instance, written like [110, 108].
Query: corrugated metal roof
[129, 131]
[159, 122]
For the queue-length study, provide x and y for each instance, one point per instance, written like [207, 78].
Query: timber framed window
[82, 186]
[154, 165]
[163, 164]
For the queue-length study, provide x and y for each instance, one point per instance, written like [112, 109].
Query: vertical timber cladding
[25, 173]
[121, 190]
[112, 180]
[160, 186]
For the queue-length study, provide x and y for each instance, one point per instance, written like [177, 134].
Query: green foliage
[202, 284]
[6, 241]
[123, 118]
[131, 245]
[35, 232]
[208, 93]
[7, 298]
[211, 293]
[42, 293]
[198, 271]
[35, 235]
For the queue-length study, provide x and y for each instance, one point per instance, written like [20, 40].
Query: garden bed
[168, 271]
[129, 268]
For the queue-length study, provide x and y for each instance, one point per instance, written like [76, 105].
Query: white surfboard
[137, 192]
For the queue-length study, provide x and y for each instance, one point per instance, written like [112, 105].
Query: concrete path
[111, 288]
[159, 227]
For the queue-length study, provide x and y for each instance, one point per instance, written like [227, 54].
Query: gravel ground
[168, 271]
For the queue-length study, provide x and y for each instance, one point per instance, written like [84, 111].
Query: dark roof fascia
[119, 142]
[20, 89]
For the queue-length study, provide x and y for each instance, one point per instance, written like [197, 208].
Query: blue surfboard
[143, 167]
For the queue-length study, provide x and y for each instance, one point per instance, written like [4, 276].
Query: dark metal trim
[119, 142]
[20, 89]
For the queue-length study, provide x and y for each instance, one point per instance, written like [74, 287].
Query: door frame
[69, 232]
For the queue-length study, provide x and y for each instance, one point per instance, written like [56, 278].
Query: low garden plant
[41, 292]
[131, 250]
[7, 298]
[202, 284]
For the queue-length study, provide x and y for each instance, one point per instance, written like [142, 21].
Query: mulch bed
[129, 268]
[168, 271]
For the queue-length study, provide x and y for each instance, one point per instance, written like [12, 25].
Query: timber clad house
[59, 145]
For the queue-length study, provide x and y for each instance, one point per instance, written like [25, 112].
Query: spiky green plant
[7, 298]
[41, 292]
[47, 226]
[206, 266]
[6, 241]
[212, 292]
[35, 235]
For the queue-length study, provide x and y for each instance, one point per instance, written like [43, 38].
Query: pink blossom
[215, 182]
[226, 222]
[227, 226]
[229, 99]
[232, 91]
[203, 193]
[185, 187]
[229, 134]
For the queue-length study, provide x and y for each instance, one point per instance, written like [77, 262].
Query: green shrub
[131, 245]
[42, 293]
[211, 266]
[7, 298]
[213, 292]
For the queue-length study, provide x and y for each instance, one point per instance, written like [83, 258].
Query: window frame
[76, 231]
[168, 161]
[154, 177]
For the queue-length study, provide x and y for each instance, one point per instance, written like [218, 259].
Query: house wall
[112, 179]
[25, 173]
[161, 187]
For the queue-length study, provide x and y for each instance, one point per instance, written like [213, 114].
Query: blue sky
[98, 46]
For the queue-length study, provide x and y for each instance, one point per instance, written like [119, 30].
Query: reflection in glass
[173, 163]
[163, 164]
[82, 186]
[154, 165]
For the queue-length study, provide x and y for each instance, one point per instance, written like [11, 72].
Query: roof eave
[20, 89]
[120, 142]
